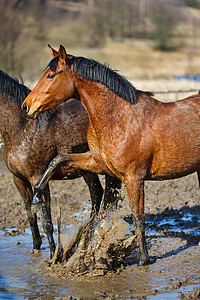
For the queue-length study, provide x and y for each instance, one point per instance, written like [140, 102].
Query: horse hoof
[35, 207]
[37, 198]
[143, 262]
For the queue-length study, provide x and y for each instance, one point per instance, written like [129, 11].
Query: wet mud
[172, 230]
[96, 246]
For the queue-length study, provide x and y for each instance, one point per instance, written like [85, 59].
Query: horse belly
[174, 166]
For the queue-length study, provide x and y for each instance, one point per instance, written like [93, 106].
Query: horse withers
[131, 135]
[29, 146]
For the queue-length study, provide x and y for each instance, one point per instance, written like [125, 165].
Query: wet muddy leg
[26, 193]
[47, 220]
[139, 226]
[112, 191]
[135, 190]
[198, 174]
[95, 189]
[38, 199]
[83, 161]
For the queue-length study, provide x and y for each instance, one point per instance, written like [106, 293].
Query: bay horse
[131, 135]
[30, 145]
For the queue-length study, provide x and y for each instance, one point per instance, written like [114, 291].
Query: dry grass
[138, 60]
[168, 85]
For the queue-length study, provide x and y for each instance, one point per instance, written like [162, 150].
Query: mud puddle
[173, 242]
[20, 278]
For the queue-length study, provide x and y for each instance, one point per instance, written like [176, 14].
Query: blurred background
[154, 43]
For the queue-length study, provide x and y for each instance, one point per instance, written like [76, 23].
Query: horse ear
[62, 54]
[53, 51]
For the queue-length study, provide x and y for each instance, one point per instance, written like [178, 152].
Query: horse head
[55, 85]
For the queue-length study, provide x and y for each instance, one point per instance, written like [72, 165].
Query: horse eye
[50, 76]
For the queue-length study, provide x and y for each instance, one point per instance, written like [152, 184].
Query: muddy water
[24, 275]
[18, 268]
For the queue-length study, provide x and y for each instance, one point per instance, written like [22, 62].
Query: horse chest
[12, 161]
[101, 154]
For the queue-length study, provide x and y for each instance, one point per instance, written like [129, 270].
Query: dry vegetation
[124, 34]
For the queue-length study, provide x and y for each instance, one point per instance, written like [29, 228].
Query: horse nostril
[25, 108]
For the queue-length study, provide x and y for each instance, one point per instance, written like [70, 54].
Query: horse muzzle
[26, 112]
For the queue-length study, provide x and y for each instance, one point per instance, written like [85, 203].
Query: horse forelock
[53, 64]
[10, 87]
[93, 70]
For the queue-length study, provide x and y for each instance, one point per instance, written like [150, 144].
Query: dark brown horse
[29, 146]
[131, 135]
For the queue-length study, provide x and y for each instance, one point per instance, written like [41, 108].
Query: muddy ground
[173, 218]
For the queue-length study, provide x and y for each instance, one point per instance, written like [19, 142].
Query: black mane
[53, 64]
[93, 70]
[11, 87]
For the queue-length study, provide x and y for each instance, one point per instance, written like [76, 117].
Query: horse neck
[10, 117]
[98, 100]
[105, 107]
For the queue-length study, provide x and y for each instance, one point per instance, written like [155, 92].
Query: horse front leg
[112, 188]
[198, 175]
[25, 190]
[95, 189]
[112, 191]
[83, 161]
[47, 220]
[135, 190]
